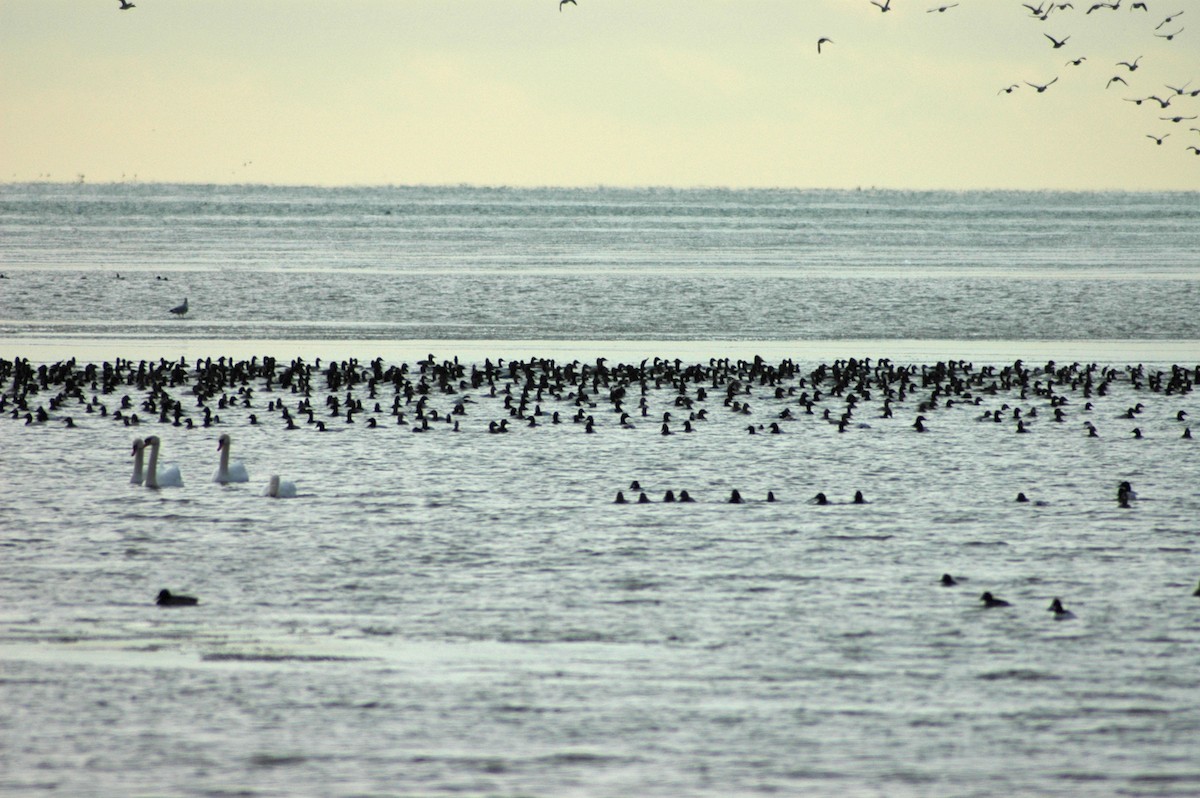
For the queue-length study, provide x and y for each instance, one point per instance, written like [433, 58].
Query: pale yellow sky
[606, 92]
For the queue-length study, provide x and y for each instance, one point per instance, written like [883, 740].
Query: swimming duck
[991, 601]
[1060, 613]
[168, 599]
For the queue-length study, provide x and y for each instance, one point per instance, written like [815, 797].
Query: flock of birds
[447, 396]
[1159, 99]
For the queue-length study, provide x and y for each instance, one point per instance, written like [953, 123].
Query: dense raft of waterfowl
[664, 396]
[653, 397]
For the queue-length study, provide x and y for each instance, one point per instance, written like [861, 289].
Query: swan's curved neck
[273, 488]
[152, 467]
[139, 464]
[223, 469]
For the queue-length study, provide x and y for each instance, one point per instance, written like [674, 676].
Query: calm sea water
[466, 613]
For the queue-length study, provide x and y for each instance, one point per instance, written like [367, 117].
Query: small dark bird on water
[168, 599]
[991, 601]
[179, 310]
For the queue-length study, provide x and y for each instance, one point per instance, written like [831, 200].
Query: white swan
[280, 490]
[225, 471]
[139, 462]
[169, 478]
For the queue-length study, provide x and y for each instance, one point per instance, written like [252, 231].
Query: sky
[678, 93]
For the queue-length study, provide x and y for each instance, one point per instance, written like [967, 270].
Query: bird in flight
[885, 6]
[823, 40]
[1132, 67]
[562, 3]
[1176, 119]
[1009, 89]
[126, 5]
[1057, 44]
[1041, 89]
[1195, 150]
[941, 9]
[1181, 90]
[1158, 139]
[1169, 36]
[1114, 79]
[1167, 21]
[1077, 61]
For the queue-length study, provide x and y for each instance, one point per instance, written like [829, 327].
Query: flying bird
[1132, 67]
[1195, 150]
[1114, 79]
[823, 40]
[1181, 90]
[1167, 21]
[1158, 139]
[1176, 119]
[562, 3]
[1169, 36]
[1041, 89]
[126, 5]
[885, 6]
[1077, 61]
[1009, 89]
[1057, 44]
[941, 9]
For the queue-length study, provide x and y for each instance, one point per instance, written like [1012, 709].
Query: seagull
[179, 310]
[562, 3]
[823, 40]
[1158, 140]
[885, 6]
[1041, 89]
[1167, 21]
[126, 5]
[941, 9]
[1132, 67]
[1057, 44]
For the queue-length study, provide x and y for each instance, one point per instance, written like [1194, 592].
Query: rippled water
[470, 613]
